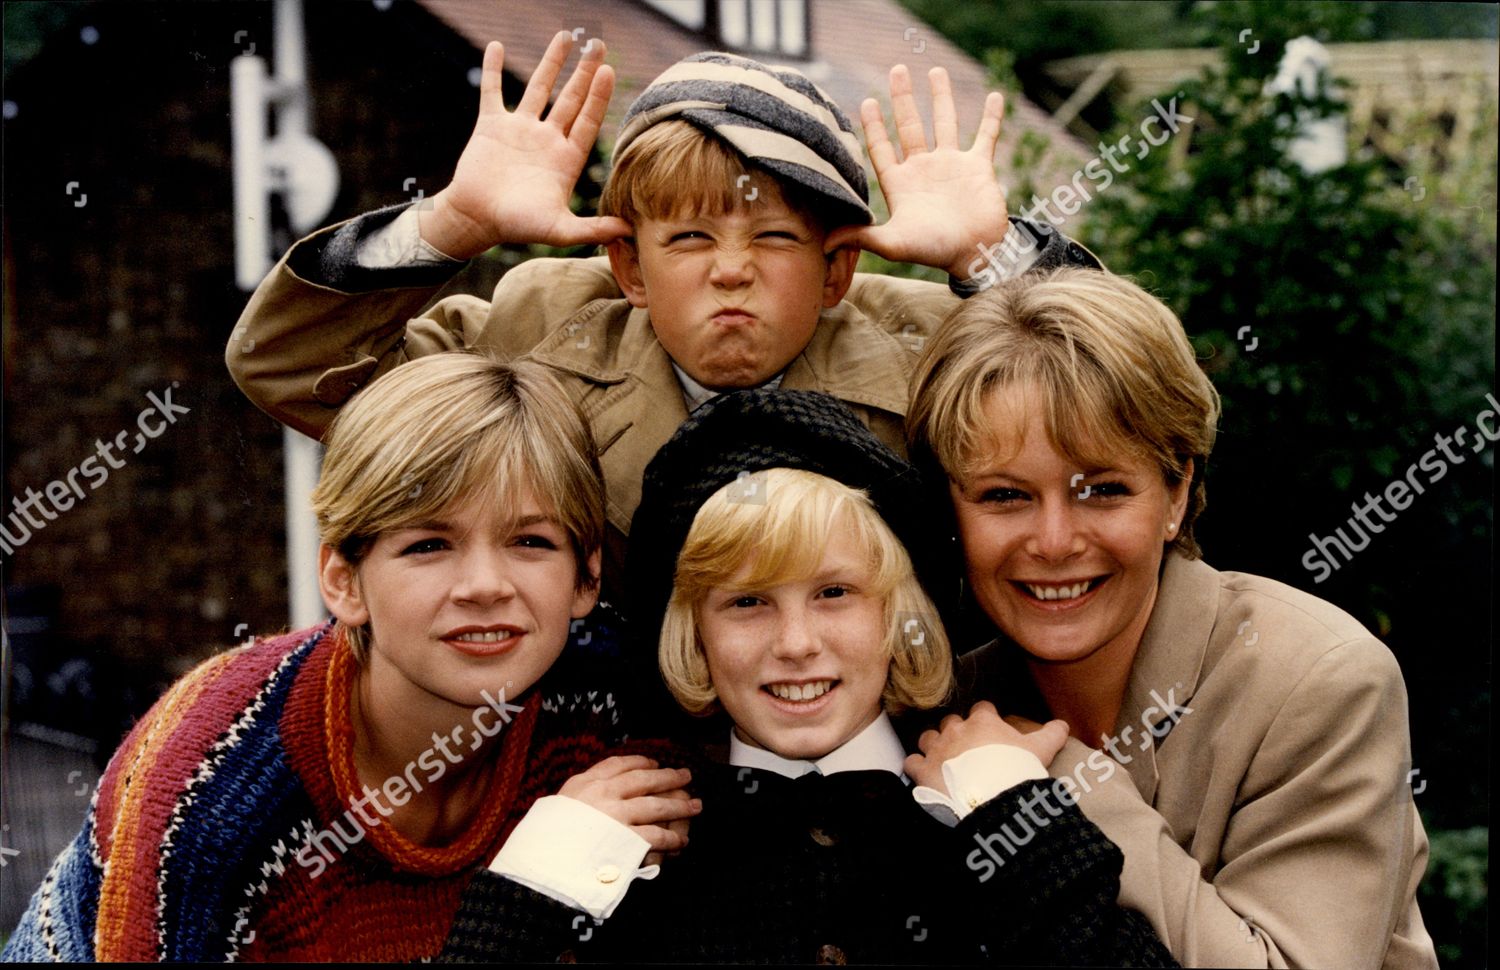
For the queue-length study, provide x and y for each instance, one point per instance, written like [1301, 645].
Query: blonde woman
[1243, 742]
[322, 795]
[769, 552]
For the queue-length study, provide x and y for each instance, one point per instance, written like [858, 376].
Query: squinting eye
[424, 545]
[533, 541]
[1002, 496]
[682, 236]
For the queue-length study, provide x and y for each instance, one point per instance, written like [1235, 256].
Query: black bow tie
[814, 786]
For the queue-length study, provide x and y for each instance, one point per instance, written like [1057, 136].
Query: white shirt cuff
[975, 777]
[399, 244]
[574, 853]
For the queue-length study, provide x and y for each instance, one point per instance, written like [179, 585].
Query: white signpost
[303, 172]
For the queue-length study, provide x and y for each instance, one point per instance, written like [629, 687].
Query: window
[778, 27]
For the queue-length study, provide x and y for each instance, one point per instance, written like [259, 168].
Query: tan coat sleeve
[1316, 866]
[300, 350]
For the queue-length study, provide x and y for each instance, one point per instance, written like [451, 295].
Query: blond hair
[1110, 365]
[675, 168]
[782, 541]
[447, 429]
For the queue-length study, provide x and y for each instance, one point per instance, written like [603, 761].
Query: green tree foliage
[1021, 38]
[1372, 319]
[1455, 893]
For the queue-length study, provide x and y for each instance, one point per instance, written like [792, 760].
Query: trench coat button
[822, 836]
[830, 956]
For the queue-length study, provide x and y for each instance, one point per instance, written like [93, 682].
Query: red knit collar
[332, 781]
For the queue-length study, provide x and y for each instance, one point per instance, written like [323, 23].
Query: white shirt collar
[695, 395]
[875, 748]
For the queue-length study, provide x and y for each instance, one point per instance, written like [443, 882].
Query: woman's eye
[835, 592]
[423, 546]
[1002, 496]
[1103, 490]
[744, 602]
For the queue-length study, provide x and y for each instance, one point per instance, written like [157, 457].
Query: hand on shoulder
[635, 791]
[984, 725]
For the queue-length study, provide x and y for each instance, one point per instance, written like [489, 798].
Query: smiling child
[769, 542]
[322, 795]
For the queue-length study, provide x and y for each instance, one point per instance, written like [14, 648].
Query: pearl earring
[1171, 527]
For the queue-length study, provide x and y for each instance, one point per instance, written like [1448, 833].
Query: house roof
[854, 44]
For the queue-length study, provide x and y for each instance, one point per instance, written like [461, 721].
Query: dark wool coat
[846, 868]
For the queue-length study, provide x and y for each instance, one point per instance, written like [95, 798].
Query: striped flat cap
[775, 117]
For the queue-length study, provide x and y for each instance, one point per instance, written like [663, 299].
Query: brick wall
[134, 292]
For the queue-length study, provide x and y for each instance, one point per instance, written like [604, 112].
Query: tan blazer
[300, 350]
[1260, 795]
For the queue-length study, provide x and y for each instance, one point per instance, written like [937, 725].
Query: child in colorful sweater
[769, 548]
[323, 795]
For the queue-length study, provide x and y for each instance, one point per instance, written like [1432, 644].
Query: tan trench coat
[300, 350]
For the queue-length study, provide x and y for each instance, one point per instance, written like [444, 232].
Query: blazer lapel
[1175, 641]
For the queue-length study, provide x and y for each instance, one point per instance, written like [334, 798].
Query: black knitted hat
[743, 432]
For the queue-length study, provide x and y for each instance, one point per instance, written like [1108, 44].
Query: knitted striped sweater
[245, 765]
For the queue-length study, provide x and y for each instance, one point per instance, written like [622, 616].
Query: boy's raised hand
[944, 202]
[515, 177]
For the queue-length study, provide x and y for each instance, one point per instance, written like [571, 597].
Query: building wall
[133, 292]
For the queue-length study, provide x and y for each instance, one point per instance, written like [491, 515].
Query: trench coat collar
[854, 360]
[849, 356]
[642, 404]
[612, 345]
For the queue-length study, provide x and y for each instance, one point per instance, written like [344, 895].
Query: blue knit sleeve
[58, 925]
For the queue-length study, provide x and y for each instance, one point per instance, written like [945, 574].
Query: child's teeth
[801, 692]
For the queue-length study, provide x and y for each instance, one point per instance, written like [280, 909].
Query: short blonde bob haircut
[435, 434]
[1108, 364]
[675, 168]
[783, 540]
